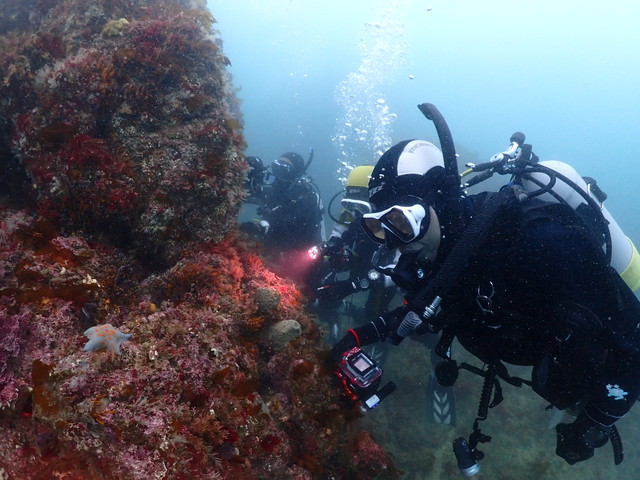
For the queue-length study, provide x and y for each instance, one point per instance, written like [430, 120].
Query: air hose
[428, 298]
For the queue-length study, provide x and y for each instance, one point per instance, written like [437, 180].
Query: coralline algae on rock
[120, 181]
[267, 300]
[124, 126]
[115, 28]
[281, 333]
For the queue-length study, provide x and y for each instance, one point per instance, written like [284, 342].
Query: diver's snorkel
[429, 299]
[309, 160]
[444, 135]
[451, 188]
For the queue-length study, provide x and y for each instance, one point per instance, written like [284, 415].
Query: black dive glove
[344, 344]
[338, 290]
[374, 331]
[333, 245]
[255, 228]
[577, 440]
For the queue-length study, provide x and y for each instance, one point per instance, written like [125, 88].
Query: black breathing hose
[444, 135]
[451, 188]
[309, 160]
[462, 250]
[330, 213]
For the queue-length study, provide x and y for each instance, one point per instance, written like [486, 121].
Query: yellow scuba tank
[624, 255]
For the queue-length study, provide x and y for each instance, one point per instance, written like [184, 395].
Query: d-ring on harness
[485, 302]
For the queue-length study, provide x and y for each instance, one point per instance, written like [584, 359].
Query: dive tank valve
[515, 142]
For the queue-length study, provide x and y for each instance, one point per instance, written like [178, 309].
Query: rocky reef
[121, 115]
[121, 177]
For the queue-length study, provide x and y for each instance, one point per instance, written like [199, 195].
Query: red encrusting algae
[121, 179]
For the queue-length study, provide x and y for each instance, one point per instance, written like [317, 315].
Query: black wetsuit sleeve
[381, 328]
[375, 331]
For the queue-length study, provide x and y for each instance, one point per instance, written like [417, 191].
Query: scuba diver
[537, 274]
[349, 250]
[290, 211]
[254, 182]
[292, 206]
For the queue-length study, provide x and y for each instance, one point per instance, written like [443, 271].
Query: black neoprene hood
[410, 169]
[296, 161]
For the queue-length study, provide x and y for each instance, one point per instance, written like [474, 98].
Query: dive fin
[441, 402]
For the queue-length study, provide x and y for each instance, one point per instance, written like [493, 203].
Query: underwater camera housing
[360, 377]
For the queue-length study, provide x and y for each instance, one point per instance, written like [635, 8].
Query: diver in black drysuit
[289, 206]
[292, 206]
[349, 250]
[536, 291]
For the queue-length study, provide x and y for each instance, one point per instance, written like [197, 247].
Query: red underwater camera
[360, 376]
